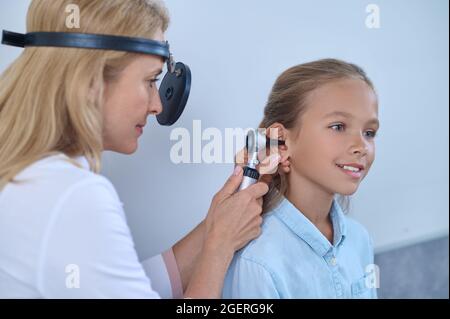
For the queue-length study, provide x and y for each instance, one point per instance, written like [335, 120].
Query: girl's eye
[371, 134]
[341, 127]
[337, 127]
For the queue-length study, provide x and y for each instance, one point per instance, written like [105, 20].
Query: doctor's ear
[277, 131]
[93, 94]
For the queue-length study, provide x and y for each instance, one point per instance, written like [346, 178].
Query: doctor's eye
[152, 82]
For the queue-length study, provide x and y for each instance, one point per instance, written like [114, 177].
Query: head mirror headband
[175, 86]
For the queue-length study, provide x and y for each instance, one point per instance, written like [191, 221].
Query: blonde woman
[59, 109]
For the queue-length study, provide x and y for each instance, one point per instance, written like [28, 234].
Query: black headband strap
[87, 41]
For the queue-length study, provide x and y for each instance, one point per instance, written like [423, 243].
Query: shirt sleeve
[164, 275]
[249, 279]
[88, 251]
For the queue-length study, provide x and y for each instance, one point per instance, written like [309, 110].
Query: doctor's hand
[266, 167]
[234, 218]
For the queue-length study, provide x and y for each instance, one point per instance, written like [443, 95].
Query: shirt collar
[339, 223]
[81, 160]
[307, 231]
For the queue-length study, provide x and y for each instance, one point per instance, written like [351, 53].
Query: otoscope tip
[275, 142]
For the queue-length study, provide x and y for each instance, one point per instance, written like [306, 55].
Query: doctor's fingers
[269, 165]
[252, 215]
[230, 186]
[257, 190]
[241, 157]
[249, 232]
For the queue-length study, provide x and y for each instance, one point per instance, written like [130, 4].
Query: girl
[327, 113]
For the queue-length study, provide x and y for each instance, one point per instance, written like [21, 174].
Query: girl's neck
[312, 200]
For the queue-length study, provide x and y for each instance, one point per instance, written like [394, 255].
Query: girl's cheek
[370, 158]
[371, 152]
[337, 141]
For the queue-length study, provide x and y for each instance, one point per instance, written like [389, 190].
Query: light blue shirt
[293, 259]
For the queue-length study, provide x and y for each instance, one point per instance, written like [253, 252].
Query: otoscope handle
[251, 176]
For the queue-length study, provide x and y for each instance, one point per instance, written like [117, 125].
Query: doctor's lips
[352, 169]
[140, 128]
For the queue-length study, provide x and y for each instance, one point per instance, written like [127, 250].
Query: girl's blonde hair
[51, 98]
[288, 101]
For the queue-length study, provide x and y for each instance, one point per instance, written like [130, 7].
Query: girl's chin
[347, 191]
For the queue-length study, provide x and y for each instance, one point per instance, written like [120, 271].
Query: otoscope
[256, 142]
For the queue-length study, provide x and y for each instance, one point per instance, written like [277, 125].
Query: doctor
[63, 232]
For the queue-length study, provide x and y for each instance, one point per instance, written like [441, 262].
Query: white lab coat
[63, 234]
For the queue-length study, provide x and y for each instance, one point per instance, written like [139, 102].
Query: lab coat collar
[82, 160]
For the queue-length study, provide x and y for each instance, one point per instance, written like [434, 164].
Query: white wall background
[237, 48]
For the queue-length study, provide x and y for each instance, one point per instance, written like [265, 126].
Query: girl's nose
[360, 146]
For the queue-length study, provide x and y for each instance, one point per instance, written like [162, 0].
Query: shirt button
[333, 261]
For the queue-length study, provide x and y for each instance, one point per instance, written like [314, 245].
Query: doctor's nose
[155, 106]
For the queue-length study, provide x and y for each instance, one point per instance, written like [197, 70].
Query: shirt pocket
[360, 288]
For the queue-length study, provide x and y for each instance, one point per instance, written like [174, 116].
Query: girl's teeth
[351, 168]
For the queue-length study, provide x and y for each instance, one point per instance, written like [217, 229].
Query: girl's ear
[279, 132]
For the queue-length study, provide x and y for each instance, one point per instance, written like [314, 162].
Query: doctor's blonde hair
[51, 98]
[288, 100]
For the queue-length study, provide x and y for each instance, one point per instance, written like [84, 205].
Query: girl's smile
[353, 170]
